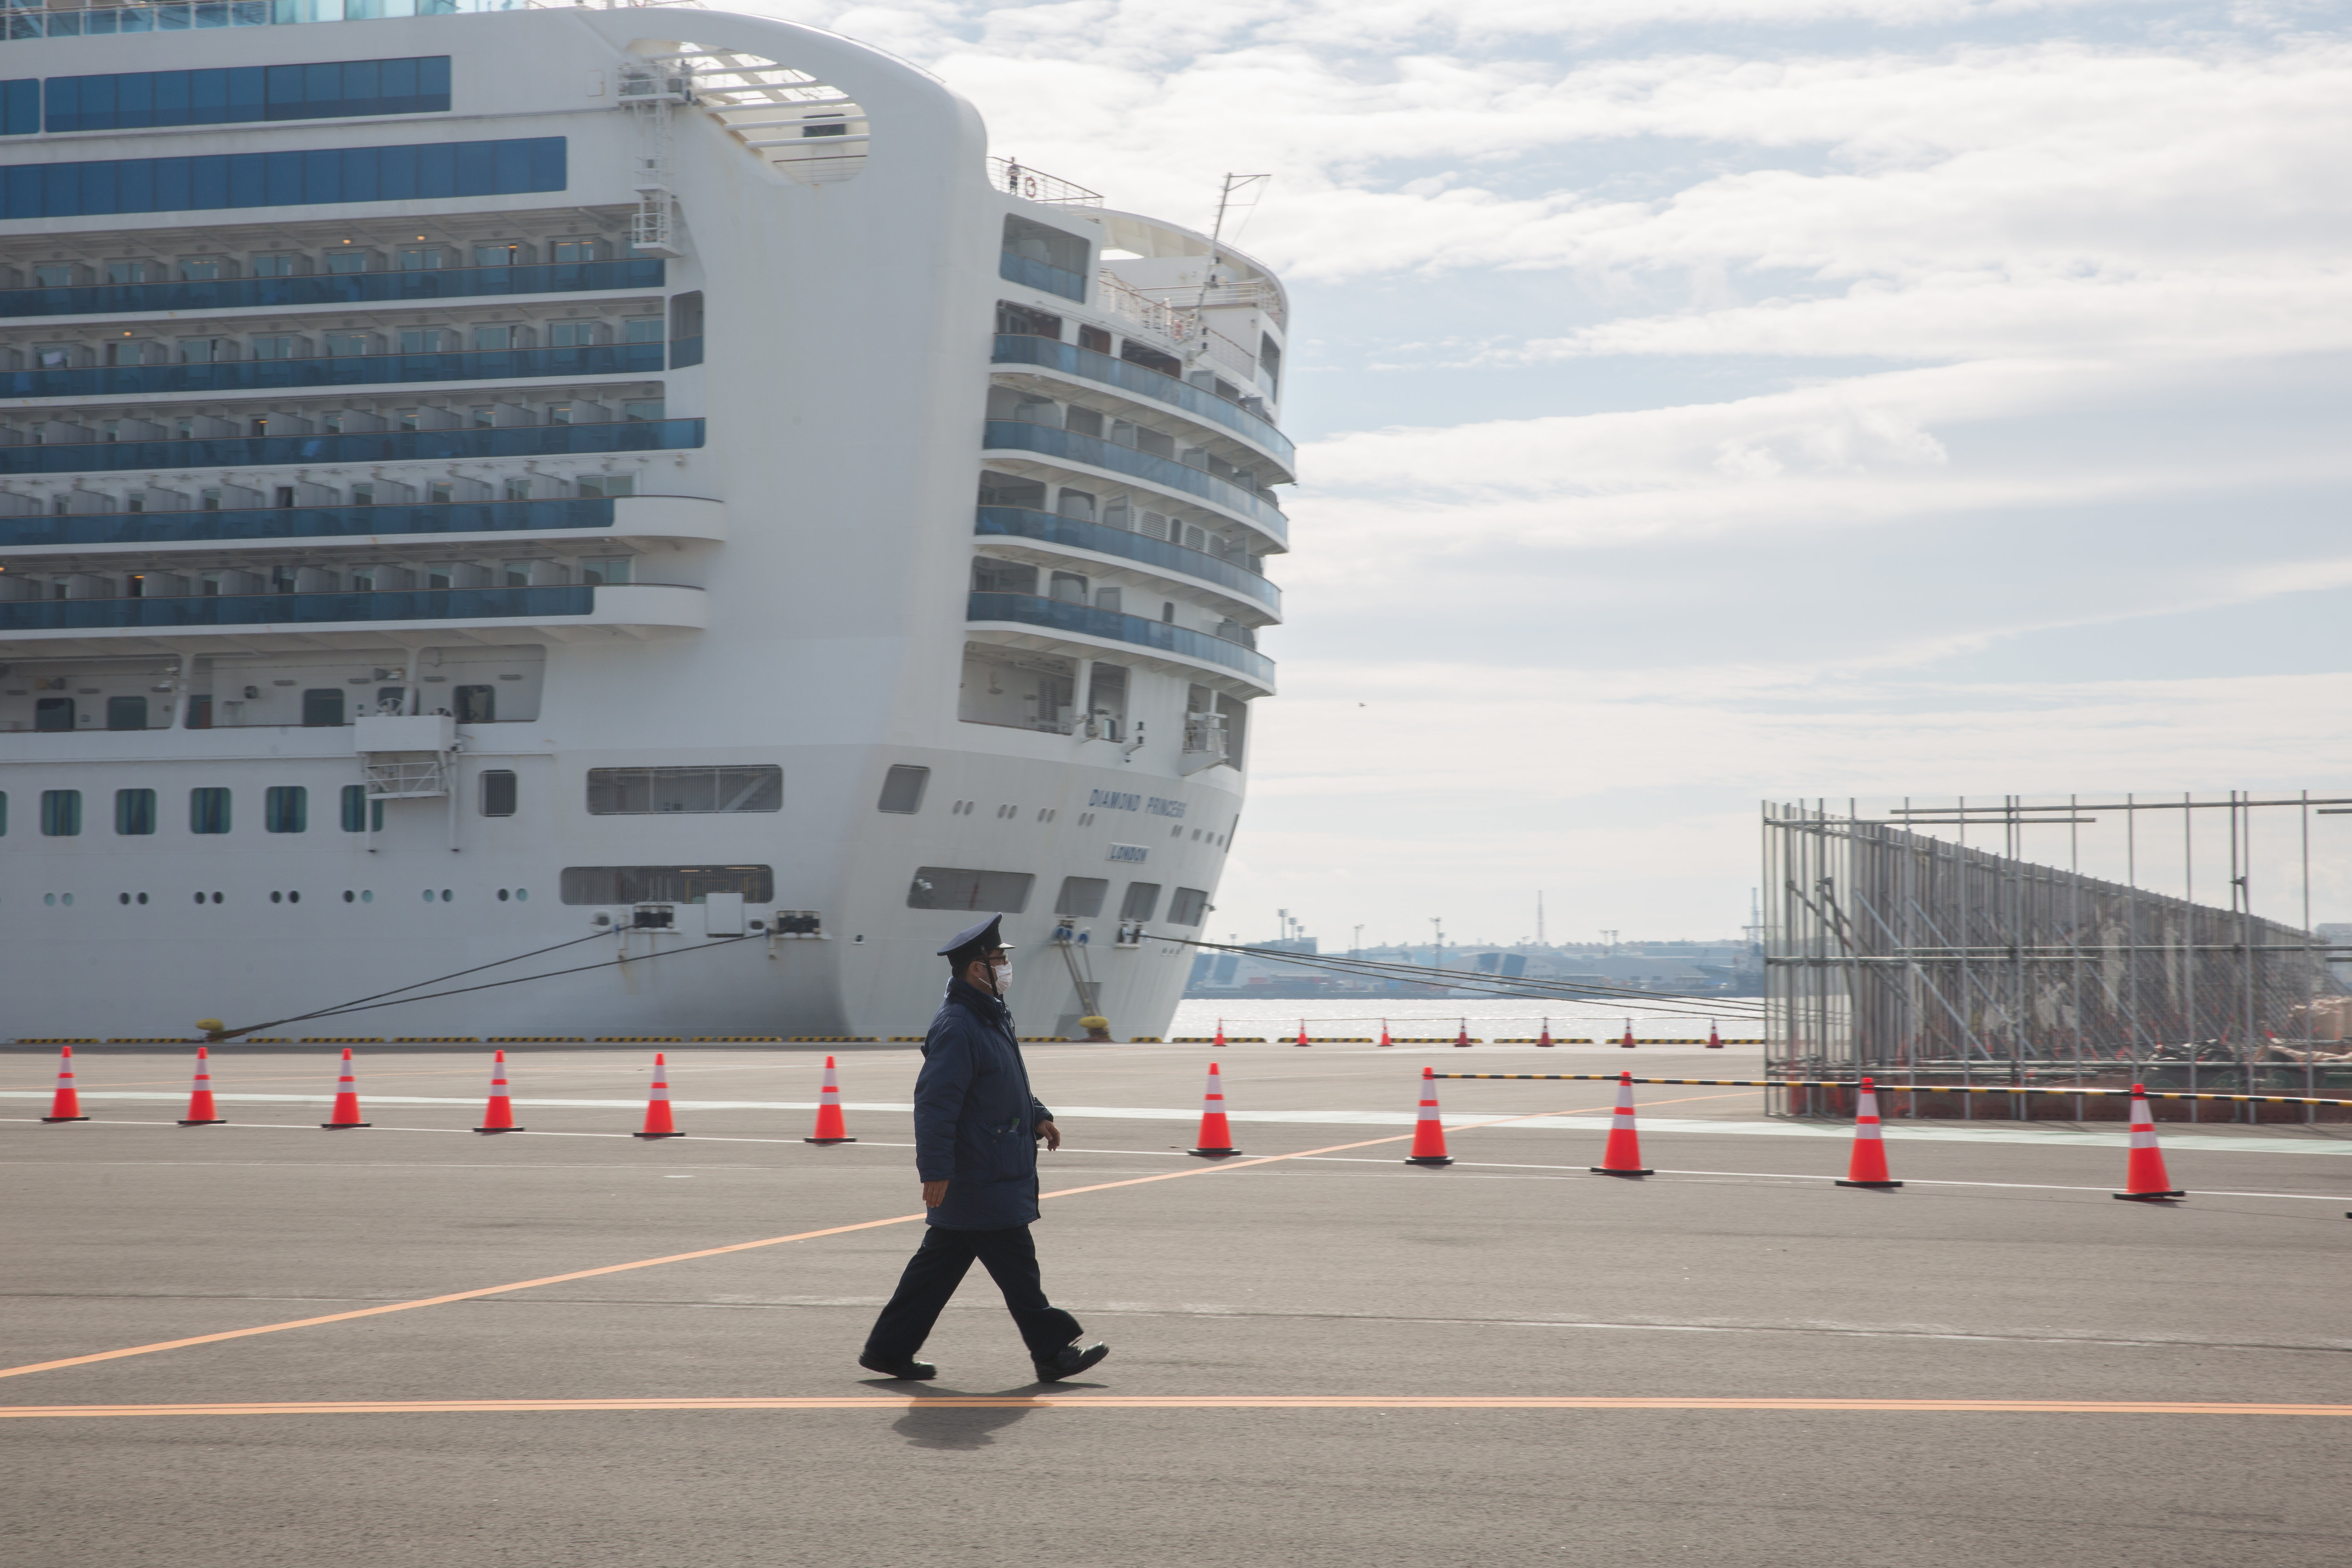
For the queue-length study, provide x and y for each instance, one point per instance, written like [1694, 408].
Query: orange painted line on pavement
[1193, 1402]
[1229, 1165]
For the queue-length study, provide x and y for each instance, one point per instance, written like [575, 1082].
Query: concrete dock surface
[1326, 1358]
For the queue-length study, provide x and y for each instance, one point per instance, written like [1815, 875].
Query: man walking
[976, 1132]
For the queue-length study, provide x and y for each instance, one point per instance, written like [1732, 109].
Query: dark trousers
[939, 1265]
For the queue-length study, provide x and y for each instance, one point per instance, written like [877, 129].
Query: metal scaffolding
[1895, 948]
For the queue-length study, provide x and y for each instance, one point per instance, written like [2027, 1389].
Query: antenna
[1234, 185]
[1539, 936]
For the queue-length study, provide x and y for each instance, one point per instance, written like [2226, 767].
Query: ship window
[1020, 320]
[642, 330]
[4, 814]
[427, 341]
[53, 713]
[134, 812]
[955, 888]
[1151, 358]
[340, 261]
[1142, 897]
[341, 345]
[608, 485]
[138, 101]
[1068, 587]
[200, 706]
[501, 256]
[208, 811]
[478, 704]
[643, 410]
[286, 808]
[1094, 338]
[989, 575]
[642, 792]
[1082, 896]
[566, 250]
[423, 258]
[60, 813]
[1269, 364]
[491, 339]
[902, 789]
[322, 705]
[1044, 258]
[575, 334]
[282, 266]
[325, 176]
[277, 347]
[606, 572]
[665, 884]
[1079, 504]
[354, 810]
[498, 792]
[1003, 490]
[1187, 907]
[126, 713]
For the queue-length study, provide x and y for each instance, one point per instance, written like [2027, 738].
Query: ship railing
[1152, 315]
[94, 18]
[1030, 185]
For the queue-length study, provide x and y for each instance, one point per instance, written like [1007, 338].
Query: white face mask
[1003, 974]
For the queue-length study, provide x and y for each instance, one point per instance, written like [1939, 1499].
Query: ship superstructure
[475, 480]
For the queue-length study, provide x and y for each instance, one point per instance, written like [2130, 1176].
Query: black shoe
[1070, 1361]
[906, 1370]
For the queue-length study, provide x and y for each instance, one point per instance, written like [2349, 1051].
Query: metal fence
[1896, 949]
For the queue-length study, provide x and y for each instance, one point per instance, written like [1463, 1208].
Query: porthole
[200, 898]
[275, 898]
[217, 897]
[428, 895]
[445, 895]
[347, 895]
[142, 897]
[295, 897]
[367, 895]
[50, 899]
[1175, 832]
[522, 895]
[502, 895]
[65, 899]
[122, 897]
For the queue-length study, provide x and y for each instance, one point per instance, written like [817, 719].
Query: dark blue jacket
[975, 1120]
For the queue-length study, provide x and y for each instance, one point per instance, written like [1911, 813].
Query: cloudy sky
[1702, 401]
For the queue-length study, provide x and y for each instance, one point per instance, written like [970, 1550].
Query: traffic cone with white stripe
[1220, 1041]
[1544, 1040]
[1628, 1041]
[1714, 1040]
[1622, 1156]
[499, 1117]
[200, 1110]
[346, 1100]
[658, 1121]
[2144, 1172]
[1216, 1138]
[1385, 1041]
[66, 1104]
[829, 1127]
[1302, 1038]
[1868, 1166]
[1428, 1132]
[1462, 1041]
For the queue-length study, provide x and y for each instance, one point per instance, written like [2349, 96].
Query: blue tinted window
[137, 99]
[20, 107]
[284, 179]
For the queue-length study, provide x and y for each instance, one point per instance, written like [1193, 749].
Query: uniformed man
[976, 1132]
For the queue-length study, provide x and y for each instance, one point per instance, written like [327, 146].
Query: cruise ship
[646, 478]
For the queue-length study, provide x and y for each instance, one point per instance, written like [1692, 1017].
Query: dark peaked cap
[979, 940]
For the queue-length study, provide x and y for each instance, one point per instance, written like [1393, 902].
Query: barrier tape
[1906, 1088]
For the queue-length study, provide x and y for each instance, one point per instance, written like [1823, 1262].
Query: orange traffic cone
[2144, 1172]
[1868, 1166]
[1544, 1040]
[1216, 1138]
[1221, 1034]
[499, 1117]
[1428, 1132]
[346, 1100]
[1462, 1041]
[66, 1104]
[1622, 1155]
[1628, 1041]
[658, 1121]
[829, 1127]
[1714, 1040]
[200, 1098]
[1384, 1033]
[1302, 1039]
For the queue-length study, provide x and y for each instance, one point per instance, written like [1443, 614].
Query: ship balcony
[1069, 360]
[375, 446]
[338, 291]
[1018, 618]
[389, 371]
[1112, 461]
[617, 520]
[567, 612]
[1099, 539]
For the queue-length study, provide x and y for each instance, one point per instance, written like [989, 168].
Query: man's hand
[934, 1194]
[1051, 1134]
